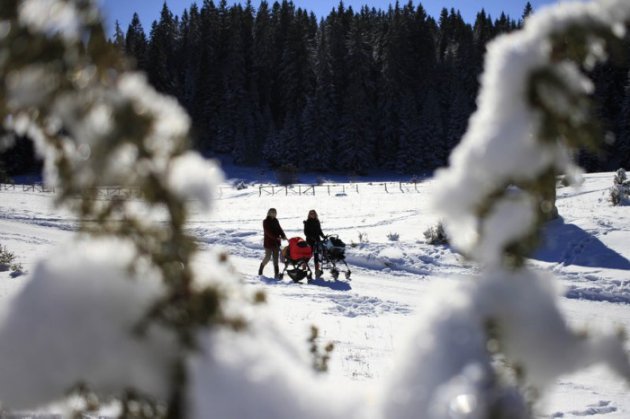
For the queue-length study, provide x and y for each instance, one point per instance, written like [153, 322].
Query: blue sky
[149, 10]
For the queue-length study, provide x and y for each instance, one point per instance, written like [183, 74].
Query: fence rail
[340, 189]
[335, 189]
[105, 192]
[32, 187]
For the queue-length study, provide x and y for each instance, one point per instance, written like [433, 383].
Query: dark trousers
[269, 253]
[315, 245]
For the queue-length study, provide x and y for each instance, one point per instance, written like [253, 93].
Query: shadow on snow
[321, 282]
[568, 244]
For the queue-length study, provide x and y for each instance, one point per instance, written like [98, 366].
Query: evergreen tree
[410, 158]
[161, 58]
[188, 63]
[528, 10]
[610, 81]
[263, 55]
[208, 96]
[391, 86]
[136, 42]
[431, 140]
[319, 120]
[240, 84]
[357, 135]
[119, 37]
[621, 156]
[338, 25]
[295, 67]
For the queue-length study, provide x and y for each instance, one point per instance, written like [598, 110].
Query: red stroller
[297, 255]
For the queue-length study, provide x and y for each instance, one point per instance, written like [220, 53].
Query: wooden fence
[104, 193]
[335, 189]
[34, 187]
[116, 192]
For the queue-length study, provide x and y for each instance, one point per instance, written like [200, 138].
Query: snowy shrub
[362, 240]
[7, 261]
[620, 191]
[563, 181]
[321, 356]
[617, 195]
[393, 237]
[620, 177]
[436, 235]
[287, 174]
[239, 185]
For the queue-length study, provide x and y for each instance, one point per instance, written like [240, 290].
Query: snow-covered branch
[534, 107]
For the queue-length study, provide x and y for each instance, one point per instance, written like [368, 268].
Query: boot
[318, 273]
[260, 269]
[276, 271]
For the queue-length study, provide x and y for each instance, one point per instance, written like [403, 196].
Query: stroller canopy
[299, 249]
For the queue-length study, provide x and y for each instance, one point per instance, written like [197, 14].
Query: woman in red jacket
[273, 234]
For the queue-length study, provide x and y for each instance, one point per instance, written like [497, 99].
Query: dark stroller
[332, 251]
[297, 255]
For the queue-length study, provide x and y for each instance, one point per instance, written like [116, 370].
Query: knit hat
[272, 212]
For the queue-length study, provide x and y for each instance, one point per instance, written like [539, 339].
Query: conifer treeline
[358, 89]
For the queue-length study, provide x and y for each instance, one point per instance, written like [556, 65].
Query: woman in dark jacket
[313, 233]
[273, 234]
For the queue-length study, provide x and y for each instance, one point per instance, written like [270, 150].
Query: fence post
[259, 190]
[328, 189]
[401, 189]
[286, 191]
[385, 184]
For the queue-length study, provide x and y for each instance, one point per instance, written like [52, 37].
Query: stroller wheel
[335, 274]
[348, 273]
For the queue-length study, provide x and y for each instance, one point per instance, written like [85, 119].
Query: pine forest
[356, 90]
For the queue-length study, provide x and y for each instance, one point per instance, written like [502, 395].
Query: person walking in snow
[313, 233]
[273, 236]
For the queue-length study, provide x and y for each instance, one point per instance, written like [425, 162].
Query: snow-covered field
[368, 318]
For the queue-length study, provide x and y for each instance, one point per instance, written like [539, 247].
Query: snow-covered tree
[620, 191]
[356, 136]
[98, 124]
[534, 107]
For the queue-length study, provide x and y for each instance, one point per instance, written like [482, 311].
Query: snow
[51, 17]
[194, 178]
[81, 311]
[372, 319]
